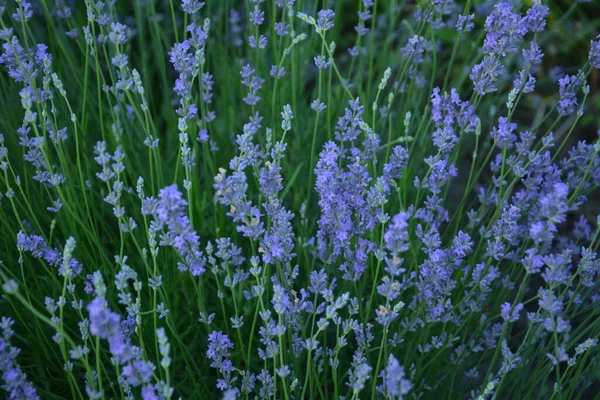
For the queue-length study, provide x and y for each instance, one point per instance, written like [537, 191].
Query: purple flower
[170, 212]
[568, 98]
[384, 316]
[594, 56]
[231, 189]
[532, 261]
[325, 19]
[396, 236]
[507, 228]
[281, 301]
[485, 74]
[270, 180]
[118, 33]
[503, 134]
[510, 360]
[120, 60]
[282, 28]
[451, 117]
[558, 268]
[551, 209]
[16, 60]
[202, 136]
[277, 72]
[198, 36]
[464, 23]
[589, 267]
[534, 54]
[549, 302]
[218, 350]
[191, 7]
[505, 29]
[461, 245]
[138, 372]
[348, 127]
[435, 281]
[278, 241]
[348, 209]
[440, 172]
[15, 380]
[395, 383]
[257, 17]
[24, 11]
[259, 43]
[253, 83]
[181, 59]
[496, 249]
[510, 314]
[321, 62]
[317, 105]
[535, 19]
[106, 324]
[37, 246]
[360, 372]
[396, 164]
[149, 393]
[414, 49]
[524, 83]
[42, 57]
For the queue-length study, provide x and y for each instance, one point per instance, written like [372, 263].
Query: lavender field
[299, 199]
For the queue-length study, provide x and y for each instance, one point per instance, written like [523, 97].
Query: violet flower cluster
[299, 199]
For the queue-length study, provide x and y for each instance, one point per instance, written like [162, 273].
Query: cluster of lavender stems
[294, 199]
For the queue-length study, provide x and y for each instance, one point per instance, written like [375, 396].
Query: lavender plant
[354, 199]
